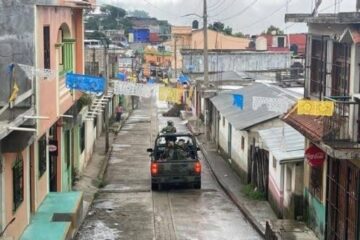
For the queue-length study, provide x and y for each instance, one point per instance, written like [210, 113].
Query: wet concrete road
[126, 208]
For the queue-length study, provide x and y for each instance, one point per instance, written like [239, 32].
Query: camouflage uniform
[169, 129]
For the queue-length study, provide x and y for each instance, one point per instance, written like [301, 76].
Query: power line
[226, 8]
[268, 16]
[216, 5]
[162, 10]
[241, 12]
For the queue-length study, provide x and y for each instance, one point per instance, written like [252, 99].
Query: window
[281, 42]
[42, 155]
[82, 137]
[315, 186]
[223, 121]
[18, 181]
[242, 143]
[341, 70]
[318, 65]
[46, 30]
[67, 137]
[66, 51]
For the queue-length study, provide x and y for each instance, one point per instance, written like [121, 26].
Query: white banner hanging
[133, 89]
[32, 72]
[279, 105]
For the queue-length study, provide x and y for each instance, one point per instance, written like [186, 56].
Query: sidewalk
[92, 178]
[257, 212]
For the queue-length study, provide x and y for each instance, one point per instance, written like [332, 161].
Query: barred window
[18, 181]
[42, 155]
[318, 66]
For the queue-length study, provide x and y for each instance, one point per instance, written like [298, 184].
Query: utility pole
[206, 68]
[106, 63]
[175, 50]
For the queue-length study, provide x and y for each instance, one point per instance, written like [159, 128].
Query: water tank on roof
[195, 24]
[261, 44]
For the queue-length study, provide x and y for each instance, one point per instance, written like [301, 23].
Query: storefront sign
[315, 156]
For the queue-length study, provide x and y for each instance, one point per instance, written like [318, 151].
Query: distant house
[184, 37]
[295, 43]
[286, 169]
[235, 131]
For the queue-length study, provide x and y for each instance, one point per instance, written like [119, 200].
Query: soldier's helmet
[170, 123]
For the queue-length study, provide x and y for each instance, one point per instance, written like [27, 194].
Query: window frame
[18, 181]
[42, 155]
[46, 42]
[318, 58]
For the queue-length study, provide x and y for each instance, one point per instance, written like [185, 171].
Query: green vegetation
[272, 30]
[110, 17]
[227, 30]
[251, 192]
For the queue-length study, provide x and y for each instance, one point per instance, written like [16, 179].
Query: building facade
[332, 187]
[42, 113]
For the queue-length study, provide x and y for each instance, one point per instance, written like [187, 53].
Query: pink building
[39, 133]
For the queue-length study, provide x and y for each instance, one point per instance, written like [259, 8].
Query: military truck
[174, 160]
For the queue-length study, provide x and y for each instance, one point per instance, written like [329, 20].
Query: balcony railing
[339, 129]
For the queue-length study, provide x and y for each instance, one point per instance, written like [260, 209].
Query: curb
[100, 175]
[108, 154]
[247, 214]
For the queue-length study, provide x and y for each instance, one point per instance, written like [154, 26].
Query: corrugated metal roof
[228, 76]
[285, 143]
[242, 119]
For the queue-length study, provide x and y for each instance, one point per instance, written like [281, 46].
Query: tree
[217, 26]
[228, 30]
[111, 18]
[239, 34]
[272, 30]
[139, 14]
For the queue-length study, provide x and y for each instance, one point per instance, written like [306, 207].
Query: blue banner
[238, 101]
[121, 76]
[85, 83]
[183, 79]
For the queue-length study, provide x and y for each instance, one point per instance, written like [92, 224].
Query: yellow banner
[315, 108]
[170, 94]
[14, 93]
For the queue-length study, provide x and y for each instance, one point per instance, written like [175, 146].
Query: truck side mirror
[149, 150]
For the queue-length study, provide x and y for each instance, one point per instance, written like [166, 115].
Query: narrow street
[126, 208]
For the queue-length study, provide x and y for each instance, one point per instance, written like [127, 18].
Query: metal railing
[339, 128]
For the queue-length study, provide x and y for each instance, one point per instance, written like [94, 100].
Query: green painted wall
[315, 214]
[66, 165]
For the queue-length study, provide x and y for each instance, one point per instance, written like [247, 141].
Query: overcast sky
[247, 16]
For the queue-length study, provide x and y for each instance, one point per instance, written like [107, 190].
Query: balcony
[340, 131]
[338, 135]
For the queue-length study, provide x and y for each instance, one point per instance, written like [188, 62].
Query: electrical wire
[330, 6]
[215, 6]
[268, 16]
[224, 9]
[241, 12]
[162, 10]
